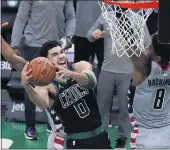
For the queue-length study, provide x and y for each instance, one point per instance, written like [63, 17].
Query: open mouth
[61, 63]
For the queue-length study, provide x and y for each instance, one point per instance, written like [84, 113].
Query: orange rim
[128, 4]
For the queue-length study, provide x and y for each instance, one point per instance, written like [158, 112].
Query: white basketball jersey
[151, 105]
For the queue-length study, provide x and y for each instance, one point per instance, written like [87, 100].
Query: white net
[126, 28]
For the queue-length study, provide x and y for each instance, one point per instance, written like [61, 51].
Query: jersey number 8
[159, 99]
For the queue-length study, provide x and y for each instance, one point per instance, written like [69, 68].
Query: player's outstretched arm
[138, 61]
[82, 73]
[16, 61]
[38, 95]
[141, 66]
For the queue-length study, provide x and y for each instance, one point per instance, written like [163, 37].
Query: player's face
[57, 55]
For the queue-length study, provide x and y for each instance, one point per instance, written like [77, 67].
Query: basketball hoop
[123, 16]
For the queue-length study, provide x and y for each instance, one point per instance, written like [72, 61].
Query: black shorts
[100, 141]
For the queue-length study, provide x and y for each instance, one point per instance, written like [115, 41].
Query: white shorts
[55, 141]
[150, 138]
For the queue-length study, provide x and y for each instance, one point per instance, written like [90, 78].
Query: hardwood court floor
[15, 132]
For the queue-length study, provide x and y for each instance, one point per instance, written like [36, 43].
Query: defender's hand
[97, 34]
[25, 75]
[3, 25]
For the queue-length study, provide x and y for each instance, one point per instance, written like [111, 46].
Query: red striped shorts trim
[134, 132]
[58, 142]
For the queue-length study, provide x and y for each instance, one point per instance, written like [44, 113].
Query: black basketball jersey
[77, 107]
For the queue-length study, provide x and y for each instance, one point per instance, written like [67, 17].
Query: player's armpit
[16, 61]
[53, 93]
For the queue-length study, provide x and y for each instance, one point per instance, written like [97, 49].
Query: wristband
[91, 82]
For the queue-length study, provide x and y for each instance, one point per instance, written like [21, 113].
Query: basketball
[43, 71]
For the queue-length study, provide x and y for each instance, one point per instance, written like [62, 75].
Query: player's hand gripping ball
[43, 71]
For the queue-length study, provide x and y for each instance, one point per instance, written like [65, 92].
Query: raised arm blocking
[16, 61]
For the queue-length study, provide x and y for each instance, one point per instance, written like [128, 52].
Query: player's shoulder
[82, 63]
[52, 90]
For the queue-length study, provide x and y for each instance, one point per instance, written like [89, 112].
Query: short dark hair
[162, 50]
[47, 46]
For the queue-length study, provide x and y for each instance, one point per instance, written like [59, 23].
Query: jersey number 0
[159, 99]
[82, 109]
